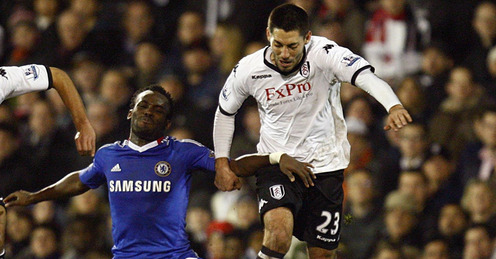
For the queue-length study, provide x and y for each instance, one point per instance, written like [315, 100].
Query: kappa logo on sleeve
[3, 73]
[277, 191]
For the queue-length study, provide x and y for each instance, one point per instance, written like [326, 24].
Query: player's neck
[141, 141]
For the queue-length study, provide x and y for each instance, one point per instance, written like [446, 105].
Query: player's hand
[225, 179]
[85, 140]
[397, 118]
[18, 198]
[290, 166]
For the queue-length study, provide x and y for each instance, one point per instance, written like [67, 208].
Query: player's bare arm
[68, 186]
[245, 166]
[85, 138]
[225, 178]
[397, 118]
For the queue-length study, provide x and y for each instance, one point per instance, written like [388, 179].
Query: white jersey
[16, 80]
[300, 112]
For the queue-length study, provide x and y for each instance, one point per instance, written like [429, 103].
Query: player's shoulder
[111, 147]
[319, 44]
[185, 143]
[250, 63]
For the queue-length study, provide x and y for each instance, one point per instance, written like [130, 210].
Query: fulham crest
[162, 169]
[305, 69]
[277, 191]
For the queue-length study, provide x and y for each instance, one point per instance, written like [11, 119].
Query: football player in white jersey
[17, 80]
[296, 82]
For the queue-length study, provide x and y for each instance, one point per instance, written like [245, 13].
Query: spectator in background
[198, 218]
[434, 73]
[479, 201]
[400, 221]
[46, 13]
[215, 238]
[477, 158]
[190, 29]
[137, 23]
[442, 186]
[331, 29]
[253, 46]
[366, 220]
[436, 249]
[394, 38]
[361, 109]
[186, 115]
[479, 242]
[25, 42]
[484, 38]
[351, 19]
[413, 98]
[15, 166]
[491, 66]
[19, 227]
[451, 124]
[89, 204]
[87, 72]
[226, 46]
[66, 39]
[203, 82]
[116, 89]
[81, 236]
[104, 118]
[45, 213]
[452, 223]
[102, 34]
[253, 241]
[234, 246]
[245, 142]
[361, 154]
[44, 243]
[50, 146]
[385, 250]
[413, 149]
[245, 213]
[149, 60]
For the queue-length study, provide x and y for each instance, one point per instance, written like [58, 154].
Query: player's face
[149, 115]
[287, 47]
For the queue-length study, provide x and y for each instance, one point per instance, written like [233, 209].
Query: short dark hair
[160, 90]
[289, 17]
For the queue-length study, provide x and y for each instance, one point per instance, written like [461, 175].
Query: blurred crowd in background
[426, 191]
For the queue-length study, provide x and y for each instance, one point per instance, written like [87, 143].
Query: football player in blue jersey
[148, 178]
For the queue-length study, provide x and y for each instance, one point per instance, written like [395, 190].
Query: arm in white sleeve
[223, 133]
[378, 88]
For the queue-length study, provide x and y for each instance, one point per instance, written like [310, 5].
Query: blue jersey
[148, 192]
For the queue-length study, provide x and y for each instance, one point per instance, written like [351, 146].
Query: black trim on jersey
[50, 78]
[274, 67]
[353, 78]
[226, 113]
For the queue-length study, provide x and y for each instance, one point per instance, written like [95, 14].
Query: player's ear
[308, 36]
[168, 124]
[267, 33]
[129, 114]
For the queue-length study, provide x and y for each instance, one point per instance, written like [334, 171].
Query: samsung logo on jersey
[139, 186]
[261, 76]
